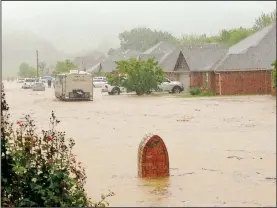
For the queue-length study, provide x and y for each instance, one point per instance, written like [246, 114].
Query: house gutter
[219, 82]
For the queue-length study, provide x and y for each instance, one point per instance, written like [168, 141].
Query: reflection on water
[203, 151]
[155, 188]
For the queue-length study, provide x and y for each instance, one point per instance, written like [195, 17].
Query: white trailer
[76, 85]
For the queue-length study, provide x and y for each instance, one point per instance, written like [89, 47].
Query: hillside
[20, 46]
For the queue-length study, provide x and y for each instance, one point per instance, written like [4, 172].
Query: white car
[113, 90]
[99, 81]
[20, 80]
[38, 86]
[28, 83]
[166, 86]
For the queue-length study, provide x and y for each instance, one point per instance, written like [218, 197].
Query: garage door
[184, 79]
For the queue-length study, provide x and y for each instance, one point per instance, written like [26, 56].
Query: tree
[25, 70]
[233, 36]
[142, 39]
[64, 67]
[111, 51]
[139, 75]
[264, 20]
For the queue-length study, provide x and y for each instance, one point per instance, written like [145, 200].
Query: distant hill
[20, 46]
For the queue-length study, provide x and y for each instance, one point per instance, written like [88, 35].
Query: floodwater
[222, 150]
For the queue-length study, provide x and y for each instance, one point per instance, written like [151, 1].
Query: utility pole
[37, 63]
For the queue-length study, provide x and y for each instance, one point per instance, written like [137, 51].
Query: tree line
[26, 70]
[141, 39]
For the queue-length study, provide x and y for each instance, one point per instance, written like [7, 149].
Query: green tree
[194, 39]
[25, 70]
[235, 35]
[264, 20]
[142, 39]
[64, 67]
[140, 76]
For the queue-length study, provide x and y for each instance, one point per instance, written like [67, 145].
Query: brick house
[171, 60]
[244, 69]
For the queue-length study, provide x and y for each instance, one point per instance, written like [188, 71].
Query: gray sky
[76, 26]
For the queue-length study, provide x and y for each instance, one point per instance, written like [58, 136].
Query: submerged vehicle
[99, 81]
[38, 86]
[166, 86]
[75, 85]
[28, 83]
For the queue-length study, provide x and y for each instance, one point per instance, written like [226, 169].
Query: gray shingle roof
[161, 47]
[167, 61]
[89, 60]
[109, 65]
[257, 51]
[203, 57]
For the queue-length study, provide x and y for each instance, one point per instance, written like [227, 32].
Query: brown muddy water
[222, 150]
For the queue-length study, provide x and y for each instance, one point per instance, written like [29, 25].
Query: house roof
[167, 61]
[88, 61]
[203, 57]
[257, 51]
[94, 68]
[161, 47]
[198, 57]
[109, 65]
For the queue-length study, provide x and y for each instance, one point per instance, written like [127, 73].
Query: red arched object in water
[152, 158]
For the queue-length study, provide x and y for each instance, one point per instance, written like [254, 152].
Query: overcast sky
[74, 26]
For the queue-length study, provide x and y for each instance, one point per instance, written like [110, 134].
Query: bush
[40, 170]
[139, 76]
[195, 91]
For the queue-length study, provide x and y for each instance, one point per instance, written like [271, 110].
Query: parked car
[28, 83]
[38, 86]
[20, 80]
[99, 81]
[166, 86]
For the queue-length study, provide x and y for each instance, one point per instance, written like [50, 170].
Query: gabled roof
[109, 65]
[94, 68]
[89, 60]
[167, 61]
[203, 57]
[257, 51]
[161, 47]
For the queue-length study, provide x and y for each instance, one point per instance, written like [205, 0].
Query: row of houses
[244, 68]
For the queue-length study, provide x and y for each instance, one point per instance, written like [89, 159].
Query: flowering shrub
[40, 170]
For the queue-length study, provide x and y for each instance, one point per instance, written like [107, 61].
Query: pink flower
[20, 124]
[49, 138]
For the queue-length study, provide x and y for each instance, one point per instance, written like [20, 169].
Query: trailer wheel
[115, 91]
